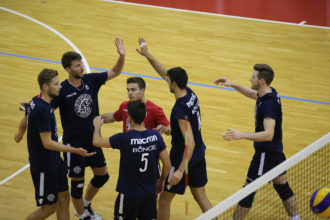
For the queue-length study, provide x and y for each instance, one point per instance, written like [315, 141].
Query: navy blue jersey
[79, 106]
[269, 106]
[41, 118]
[139, 153]
[186, 106]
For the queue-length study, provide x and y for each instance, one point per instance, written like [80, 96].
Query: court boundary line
[52, 30]
[218, 15]
[66, 40]
[154, 77]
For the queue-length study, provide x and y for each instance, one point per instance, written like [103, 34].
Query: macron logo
[135, 141]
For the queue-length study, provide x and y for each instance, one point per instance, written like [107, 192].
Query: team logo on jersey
[51, 197]
[83, 105]
[87, 87]
[77, 169]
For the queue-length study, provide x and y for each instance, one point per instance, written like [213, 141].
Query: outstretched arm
[50, 144]
[118, 67]
[21, 129]
[160, 69]
[108, 117]
[98, 140]
[262, 136]
[248, 92]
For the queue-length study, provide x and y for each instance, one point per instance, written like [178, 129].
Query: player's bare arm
[118, 67]
[98, 140]
[21, 129]
[160, 69]
[178, 174]
[165, 170]
[262, 136]
[50, 144]
[108, 117]
[248, 92]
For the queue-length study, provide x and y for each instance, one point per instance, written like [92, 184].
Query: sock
[294, 217]
[83, 215]
[86, 203]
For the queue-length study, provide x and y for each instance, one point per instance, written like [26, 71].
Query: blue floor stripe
[153, 77]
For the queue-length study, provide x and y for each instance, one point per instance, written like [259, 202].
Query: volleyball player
[186, 105]
[78, 104]
[47, 168]
[138, 181]
[267, 138]
[155, 118]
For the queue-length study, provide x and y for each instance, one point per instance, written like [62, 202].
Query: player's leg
[244, 206]
[63, 204]
[43, 212]
[63, 211]
[285, 192]
[101, 176]
[201, 198]
[164, 205]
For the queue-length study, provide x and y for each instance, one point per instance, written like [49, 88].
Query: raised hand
[223, 81]
[143, 47]
[120, 46]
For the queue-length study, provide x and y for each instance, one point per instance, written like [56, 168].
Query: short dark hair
[137, 111]
[45, 76]
[179, 76]
[264, 72]
[138, 80]
[68, 57]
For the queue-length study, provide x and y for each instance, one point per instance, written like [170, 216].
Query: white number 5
[145, 160]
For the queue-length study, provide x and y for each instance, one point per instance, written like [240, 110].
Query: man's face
[76, 69]
[255, 82]
[54, 87]
[134, 92]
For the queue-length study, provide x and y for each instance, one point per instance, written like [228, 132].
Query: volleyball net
[307, 171]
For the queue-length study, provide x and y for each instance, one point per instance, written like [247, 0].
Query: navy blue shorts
[197, 177]
[76, 164]
[130, 208]
[48, 184]
[262, 162]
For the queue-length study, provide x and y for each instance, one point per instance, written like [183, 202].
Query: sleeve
[270, 109]
[179, 111]
[160, 117]
[161, 143]
[116, 141]
[117, 114]
[43, 120]
[97, 79]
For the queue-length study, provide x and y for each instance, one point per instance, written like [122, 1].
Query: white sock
[86, 203]
[83, 215]
[294, 217]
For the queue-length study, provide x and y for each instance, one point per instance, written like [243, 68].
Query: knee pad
[247, 201]
[77, 188]
[99, 181]
[283, 190]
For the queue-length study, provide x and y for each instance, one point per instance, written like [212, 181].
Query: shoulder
[124, 104]
[151, 105]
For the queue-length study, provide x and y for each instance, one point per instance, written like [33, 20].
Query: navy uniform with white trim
[138, 173]
[47, 168]
[187, 106]
[78, 106]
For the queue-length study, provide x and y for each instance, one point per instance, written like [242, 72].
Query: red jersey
[155, 116]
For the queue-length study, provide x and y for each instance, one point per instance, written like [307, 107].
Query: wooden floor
[206, 46]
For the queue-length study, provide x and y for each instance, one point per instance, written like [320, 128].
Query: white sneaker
[91, 213]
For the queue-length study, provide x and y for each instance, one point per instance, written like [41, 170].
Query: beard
[52, 94]
[78, 76]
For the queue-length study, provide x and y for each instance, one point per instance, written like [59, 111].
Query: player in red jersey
[155, 118]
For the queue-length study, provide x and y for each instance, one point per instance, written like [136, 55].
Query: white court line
[20, 170]
[214, 14]
[54, 31]
[66, 40]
